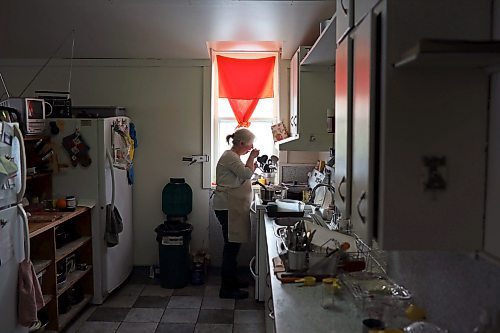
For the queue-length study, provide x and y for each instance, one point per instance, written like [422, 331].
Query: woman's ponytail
[229, 136]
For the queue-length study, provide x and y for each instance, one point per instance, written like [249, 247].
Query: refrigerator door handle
[24, 217]
[19, 136]
[110, 161]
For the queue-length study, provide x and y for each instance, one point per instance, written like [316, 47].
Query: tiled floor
[142, 306]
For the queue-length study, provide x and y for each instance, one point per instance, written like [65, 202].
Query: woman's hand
[250, 162]
[254, 153]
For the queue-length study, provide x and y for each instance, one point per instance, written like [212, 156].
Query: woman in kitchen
[233, 196]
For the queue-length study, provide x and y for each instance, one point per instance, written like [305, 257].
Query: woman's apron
[239, 201]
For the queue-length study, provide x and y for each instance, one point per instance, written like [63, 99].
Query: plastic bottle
[330, 287]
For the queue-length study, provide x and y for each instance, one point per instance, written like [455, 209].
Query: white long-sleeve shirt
[229, 173]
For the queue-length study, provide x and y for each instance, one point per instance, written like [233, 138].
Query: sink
[287, 221]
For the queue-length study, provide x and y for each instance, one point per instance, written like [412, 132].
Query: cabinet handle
[342, 181]
[344, 8]
[252, 262]
[271, 311]
[361, 198]
[19, 136]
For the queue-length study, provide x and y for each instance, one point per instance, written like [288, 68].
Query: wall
[454, 287]
[164, 100]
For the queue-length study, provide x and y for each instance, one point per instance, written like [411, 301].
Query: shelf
[47, 299]
[39, 175]
[40, 265]
[447, 54]
[322, 53]
[34, 137]
[71, 279]
[71, 247]
[75, 309]
[37, 228]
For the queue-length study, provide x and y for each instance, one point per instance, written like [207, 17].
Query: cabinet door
[362, 8]
[344, 18]
[343, 122]
[294, 92]
[363, 130]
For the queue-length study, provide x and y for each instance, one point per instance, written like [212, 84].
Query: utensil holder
[297, 260]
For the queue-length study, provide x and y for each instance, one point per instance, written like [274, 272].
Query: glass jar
[328, 293]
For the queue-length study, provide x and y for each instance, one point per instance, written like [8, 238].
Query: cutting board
[42, 218]
[285, 277]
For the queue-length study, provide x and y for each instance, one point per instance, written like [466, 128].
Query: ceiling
[164, 29]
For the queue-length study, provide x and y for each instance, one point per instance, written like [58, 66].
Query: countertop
[298, 309]
[42, 221]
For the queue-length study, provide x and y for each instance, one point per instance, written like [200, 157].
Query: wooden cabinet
[361, 9]
[345, 18]
[343, 127]
[363, 130]
[60, 241]
[312, 94]
[294, 88]
[38, 160]
[61, 252]
[412, 187]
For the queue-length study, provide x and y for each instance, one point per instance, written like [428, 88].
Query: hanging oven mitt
[77, 149]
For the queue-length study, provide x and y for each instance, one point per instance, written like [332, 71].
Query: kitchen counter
[298, 309]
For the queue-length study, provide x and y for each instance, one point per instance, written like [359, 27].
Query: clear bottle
[328, 293]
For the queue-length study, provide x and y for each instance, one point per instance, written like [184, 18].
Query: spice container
[330, 288]
[70, 202]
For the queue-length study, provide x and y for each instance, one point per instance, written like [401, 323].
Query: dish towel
[114, 225]
[29, 293]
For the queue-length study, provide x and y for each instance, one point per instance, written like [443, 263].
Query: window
[224, 122]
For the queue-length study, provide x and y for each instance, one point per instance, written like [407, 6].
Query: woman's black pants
[229, 254]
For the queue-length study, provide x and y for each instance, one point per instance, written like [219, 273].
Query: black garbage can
[175, 262]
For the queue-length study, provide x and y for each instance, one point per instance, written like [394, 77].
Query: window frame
[214, 117]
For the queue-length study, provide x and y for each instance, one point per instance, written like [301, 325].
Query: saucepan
[270, 193]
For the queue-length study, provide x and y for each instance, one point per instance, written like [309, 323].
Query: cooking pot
[270, 193]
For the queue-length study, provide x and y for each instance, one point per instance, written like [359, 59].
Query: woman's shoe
[242, 283]
[233, 293]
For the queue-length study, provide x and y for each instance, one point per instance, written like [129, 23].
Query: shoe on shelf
[233, 293]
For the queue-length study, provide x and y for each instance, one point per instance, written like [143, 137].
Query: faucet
[313, 191]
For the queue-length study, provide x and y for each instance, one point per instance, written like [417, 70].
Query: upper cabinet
[312, 94]
[345, 18]
[406, 130]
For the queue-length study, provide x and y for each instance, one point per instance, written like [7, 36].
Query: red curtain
[243, 82]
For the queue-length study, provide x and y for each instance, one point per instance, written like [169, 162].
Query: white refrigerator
[14, 235]
[93, 155]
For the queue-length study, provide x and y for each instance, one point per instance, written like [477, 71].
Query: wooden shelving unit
[75, 309]
[47, 255]
[49, 258]
[71, 247]
[40, 265]
[71, 279]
